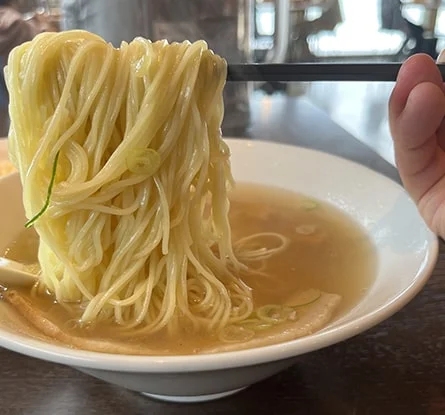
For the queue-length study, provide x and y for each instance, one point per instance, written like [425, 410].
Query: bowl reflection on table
[406, 254]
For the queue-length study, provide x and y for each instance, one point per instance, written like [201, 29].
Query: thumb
[416, 111]
[417, 103]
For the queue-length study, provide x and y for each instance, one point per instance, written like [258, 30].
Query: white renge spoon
[15, 274]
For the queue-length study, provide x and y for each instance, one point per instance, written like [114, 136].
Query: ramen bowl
[406, 253]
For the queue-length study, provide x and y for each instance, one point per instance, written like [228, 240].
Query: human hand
[416, 115]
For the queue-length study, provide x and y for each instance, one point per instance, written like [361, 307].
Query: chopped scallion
[145, 161]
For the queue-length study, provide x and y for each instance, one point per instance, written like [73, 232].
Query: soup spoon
[15, 274]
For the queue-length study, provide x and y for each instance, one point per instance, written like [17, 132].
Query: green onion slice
[235, 334]
[145, 161]
[273, 313]
[309, 205]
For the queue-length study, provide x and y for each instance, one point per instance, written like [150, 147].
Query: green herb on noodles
[48, 196]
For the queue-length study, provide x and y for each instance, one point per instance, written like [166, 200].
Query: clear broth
[328, 251]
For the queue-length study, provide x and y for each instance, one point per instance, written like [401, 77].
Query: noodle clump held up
[126, 178]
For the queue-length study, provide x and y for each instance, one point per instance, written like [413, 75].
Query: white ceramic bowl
[406, 250]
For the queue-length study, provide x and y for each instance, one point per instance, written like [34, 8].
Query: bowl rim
[234, 359]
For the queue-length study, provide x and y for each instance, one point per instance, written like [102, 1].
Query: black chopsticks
[306, 72]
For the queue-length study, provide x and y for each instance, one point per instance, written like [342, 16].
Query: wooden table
[395, 368]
